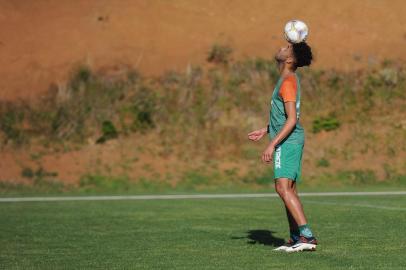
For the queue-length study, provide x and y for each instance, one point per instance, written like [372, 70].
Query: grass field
[359, 232]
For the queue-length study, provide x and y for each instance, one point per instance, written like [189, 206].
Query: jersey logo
[298, 109]
[278, 157]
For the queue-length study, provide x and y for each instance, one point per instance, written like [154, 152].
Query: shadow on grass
[263, 237]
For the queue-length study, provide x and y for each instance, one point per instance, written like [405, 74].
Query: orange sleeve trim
[288, 89]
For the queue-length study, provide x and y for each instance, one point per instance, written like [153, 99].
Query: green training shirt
[278, 117]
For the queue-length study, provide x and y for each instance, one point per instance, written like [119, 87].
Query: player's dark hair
[303, 54]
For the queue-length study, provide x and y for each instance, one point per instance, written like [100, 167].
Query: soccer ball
[296, 31]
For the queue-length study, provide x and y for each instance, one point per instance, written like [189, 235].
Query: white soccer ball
[296, 31]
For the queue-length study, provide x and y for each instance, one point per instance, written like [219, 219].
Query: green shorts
[287, 161]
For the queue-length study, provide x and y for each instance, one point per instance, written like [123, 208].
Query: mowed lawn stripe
[199, 234]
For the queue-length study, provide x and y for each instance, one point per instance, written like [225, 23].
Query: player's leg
[293, 227]
[300, 225]
[292, 223]
[292, 202]
[284, 188]
[287, 170]
[287, 166]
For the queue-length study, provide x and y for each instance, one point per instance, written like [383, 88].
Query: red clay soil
[40, 41]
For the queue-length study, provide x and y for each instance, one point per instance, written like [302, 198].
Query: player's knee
[282, 191]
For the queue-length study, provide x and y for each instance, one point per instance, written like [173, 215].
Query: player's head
[295, 55]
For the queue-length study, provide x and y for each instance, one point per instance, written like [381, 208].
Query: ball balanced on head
[296, 31]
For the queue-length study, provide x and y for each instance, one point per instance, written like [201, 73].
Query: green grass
[46, 183]
[97, 185]
[354, 233]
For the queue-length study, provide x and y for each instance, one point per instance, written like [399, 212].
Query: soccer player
[287, 142]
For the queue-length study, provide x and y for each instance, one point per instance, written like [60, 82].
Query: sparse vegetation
[186, 109]
[11, 120]
[109, 132]
[323, 162]
[97, 183]
[220, 54]
[192, 100]
[326, 123]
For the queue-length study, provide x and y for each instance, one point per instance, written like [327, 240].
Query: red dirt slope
[41, 40]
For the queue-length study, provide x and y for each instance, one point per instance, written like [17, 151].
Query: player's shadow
[263, 237]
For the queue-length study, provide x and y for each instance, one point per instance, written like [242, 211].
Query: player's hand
[257, 134]
[267, 155]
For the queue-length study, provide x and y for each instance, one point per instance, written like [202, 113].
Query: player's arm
[288, 94]
[290, 109]
[257, 134]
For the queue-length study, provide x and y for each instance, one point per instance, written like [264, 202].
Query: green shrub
[41, 180]
[27, 173]
[326, 123]
[80, 76]
[389, 76]
[357, 177]
[219, 54]
[264, 177]
[193, 179]
[109, 132]
[334, 81]
[11, 119]
[99, 183]
[323, 162]
[142, 109]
